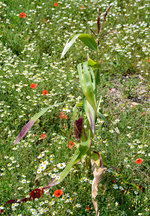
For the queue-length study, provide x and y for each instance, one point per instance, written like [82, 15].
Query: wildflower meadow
[74, 108]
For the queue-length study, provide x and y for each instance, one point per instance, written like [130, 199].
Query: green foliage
[87, 39]
[87, 84]
[30, 51]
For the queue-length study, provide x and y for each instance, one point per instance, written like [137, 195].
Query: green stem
[144, 130]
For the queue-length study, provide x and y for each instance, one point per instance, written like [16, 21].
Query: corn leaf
[79, 153]
[65, 172]
[86, 84]
[90, 115]
[97, 173]
[68, 45]
[88, 40]
[97, 76]
[93, 80]
[91, 62]
[83, 149]
[27, 127]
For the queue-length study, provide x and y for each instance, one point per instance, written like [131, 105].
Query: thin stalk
[144, 130]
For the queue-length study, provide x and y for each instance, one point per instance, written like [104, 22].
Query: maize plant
[89, 77]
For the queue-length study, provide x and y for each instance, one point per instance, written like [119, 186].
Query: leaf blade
[68, 45]
[79, 153]
[90, 115]
[87, 86]
[27, 127]
[88, 40]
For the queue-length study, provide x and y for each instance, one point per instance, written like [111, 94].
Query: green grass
[30, 51]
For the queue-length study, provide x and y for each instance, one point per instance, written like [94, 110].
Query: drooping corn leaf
[86, 84]
[69, 44]
[79, 153]
[65, 172]
[87, 39]
[27, 127]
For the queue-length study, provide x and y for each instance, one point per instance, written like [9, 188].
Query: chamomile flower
[51, 203]
[53, 175]
[61, 165]
[23, 181]
[78, 205]
[115, 186]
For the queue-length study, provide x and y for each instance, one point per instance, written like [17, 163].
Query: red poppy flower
[10, 26]
[71, 144]
[138, 161]
[44, 92]
[22, 15]
[33, 85]
[58, 193]
[62, 116]
[43, 136]
[148, 60]
[45, 20]
[82, 7]
[88, 208]
[56, 4]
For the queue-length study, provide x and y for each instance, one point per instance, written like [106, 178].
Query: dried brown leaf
[97, 172]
